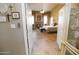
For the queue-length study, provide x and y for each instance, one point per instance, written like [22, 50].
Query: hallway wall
[12, 39]
[55, 12]
[30, 32]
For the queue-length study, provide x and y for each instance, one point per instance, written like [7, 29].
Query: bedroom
[42, 27]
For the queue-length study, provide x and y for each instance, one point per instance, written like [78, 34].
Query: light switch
[13, 26]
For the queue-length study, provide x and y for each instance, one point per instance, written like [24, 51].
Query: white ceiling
[40, 6]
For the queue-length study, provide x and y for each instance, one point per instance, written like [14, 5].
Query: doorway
[42, 31]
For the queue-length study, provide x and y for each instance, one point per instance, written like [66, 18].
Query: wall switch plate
[13, 26]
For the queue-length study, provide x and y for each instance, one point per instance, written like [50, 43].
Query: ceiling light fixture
[42, 11]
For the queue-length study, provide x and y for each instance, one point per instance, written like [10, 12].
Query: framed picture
[15, 15]
[3, 19]
[38, 18]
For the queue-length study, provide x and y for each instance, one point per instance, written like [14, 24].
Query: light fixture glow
[42, 11]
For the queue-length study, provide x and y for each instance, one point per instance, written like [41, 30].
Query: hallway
[45, 44]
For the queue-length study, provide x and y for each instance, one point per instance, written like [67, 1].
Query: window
[32, 19]
[51, 21]
[45, 20]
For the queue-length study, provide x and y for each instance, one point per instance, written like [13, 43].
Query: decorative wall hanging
[3, 19]
[15, 15]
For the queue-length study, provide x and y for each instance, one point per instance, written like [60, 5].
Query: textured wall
[73, 31]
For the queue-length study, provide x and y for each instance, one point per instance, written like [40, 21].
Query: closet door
[63, 24]
[60, 26]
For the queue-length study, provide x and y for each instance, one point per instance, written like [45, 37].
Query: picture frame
[3, 19]
[15, 15]
[38, 18]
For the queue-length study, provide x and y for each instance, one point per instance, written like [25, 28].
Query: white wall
[24, 18]
[29, 27]
[12, 39]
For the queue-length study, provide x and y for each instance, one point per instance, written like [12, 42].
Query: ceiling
[39, 6]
